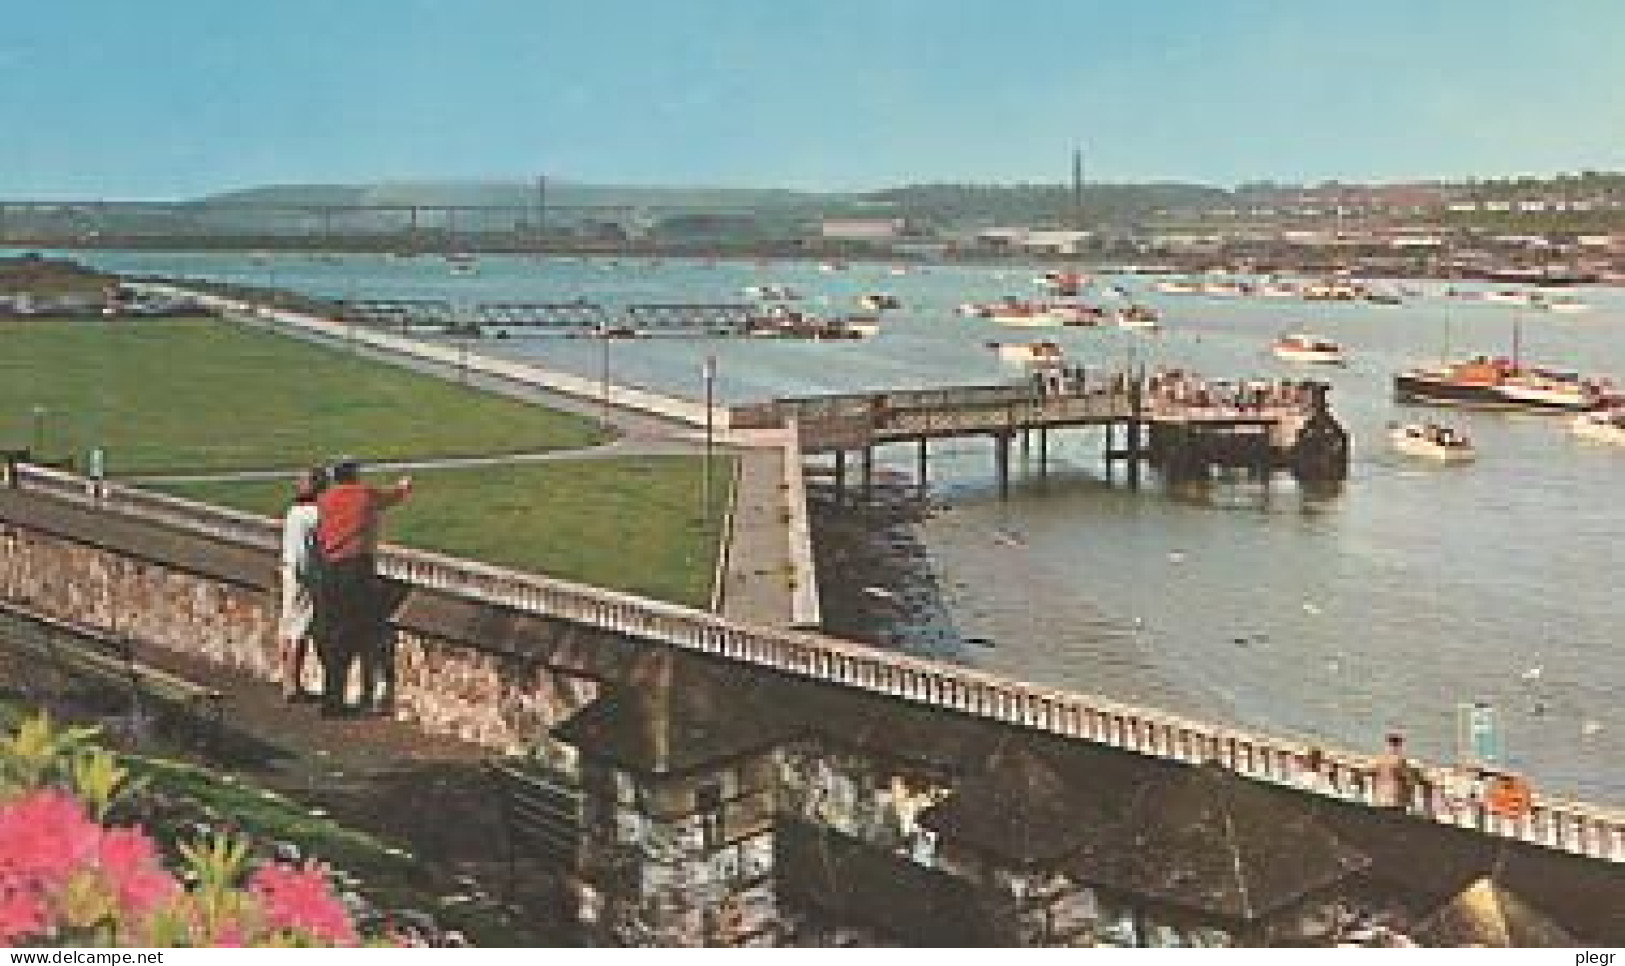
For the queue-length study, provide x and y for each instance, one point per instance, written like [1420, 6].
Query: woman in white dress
[298, 580]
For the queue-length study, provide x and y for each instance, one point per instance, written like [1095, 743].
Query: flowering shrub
[67, 878]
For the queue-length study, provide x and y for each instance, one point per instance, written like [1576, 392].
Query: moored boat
[1501, 383]
[1137, 317]
[1034, 355]
[1301, 347]
[1541, 388]
[1432, 441]
[1601, 425]
[1561, 304]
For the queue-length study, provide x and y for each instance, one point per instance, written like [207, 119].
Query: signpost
[1478, 736]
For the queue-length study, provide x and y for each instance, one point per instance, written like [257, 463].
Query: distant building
[863, 229]
[1043, 241]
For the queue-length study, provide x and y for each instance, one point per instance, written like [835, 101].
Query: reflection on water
[1331, 614]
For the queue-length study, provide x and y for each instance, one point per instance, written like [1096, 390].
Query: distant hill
[523, 195]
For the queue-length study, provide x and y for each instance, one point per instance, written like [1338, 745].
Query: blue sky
[174, 98]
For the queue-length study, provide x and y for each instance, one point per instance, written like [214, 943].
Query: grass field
[631, 524]
[202, 395]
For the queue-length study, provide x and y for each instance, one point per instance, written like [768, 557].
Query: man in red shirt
[350, 605]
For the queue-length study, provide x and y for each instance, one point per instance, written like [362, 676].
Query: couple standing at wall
[331, 592]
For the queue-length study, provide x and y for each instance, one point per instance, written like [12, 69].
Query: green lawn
[168, 395]
[629, 523]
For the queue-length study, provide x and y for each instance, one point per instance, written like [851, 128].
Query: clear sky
[174, 98]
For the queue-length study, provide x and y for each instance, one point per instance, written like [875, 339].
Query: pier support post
[1132, 446]
[868, 472]
[1001, 463]
[921, 479]
[840, 476]
[1043, 451]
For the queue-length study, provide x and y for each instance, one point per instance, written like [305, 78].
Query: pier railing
[1571, 826]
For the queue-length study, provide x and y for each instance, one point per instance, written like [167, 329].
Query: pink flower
[299, 899]
[129, 862]
[45, 836]
[22, 915]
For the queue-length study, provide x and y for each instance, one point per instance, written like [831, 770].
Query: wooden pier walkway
[1181, 438]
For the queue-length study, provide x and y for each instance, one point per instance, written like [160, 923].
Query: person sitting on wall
[350, 607]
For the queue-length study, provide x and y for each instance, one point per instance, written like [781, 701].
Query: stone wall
[499, 699]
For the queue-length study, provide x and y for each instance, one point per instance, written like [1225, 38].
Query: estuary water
[1414, 589]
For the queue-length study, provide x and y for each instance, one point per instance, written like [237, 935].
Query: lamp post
[603, 376]
[38, 448]
[710, 375]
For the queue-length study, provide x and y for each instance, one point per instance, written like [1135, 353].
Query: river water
[1336, 617]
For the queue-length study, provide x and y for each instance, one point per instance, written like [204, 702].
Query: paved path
[756, 588]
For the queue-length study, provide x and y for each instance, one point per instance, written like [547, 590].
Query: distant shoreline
[798, 252]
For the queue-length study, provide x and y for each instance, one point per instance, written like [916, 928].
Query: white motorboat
[1602, 426]
[1025, 314]
[1543, 388]
[1137, 317]
[1562, 305]
[1301, 347]
[1434, 442]
[772, 293]
[1034, 355]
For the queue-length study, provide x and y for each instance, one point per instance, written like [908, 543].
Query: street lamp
[603, 375]
[710, 374]
[38, 448]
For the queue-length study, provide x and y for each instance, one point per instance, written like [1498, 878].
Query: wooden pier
[1141, 429]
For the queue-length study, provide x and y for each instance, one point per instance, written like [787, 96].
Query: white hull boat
[1602, 426]
[1309, 349]
[1437, 443]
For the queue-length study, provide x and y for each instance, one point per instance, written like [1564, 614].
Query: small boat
[1141, 317]
[1542, 388]
[463, 263]
[1506, 296]
[1561, 304]
[880, 301]
[1300, 347]
[1015, 312]
[1062, 283]
[1601, 425]
[1033, 355]
[1176, 287]
[772, 293]
[1432, 441]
